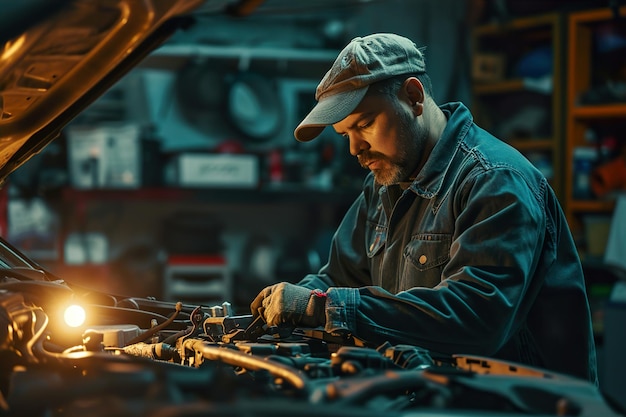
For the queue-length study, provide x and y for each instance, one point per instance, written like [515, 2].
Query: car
[70, 350]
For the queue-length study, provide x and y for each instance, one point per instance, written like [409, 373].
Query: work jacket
[473, 257]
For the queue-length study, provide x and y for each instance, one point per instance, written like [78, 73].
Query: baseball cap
[365, 60]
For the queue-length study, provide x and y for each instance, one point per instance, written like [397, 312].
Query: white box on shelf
[217, 170]
[105, 156]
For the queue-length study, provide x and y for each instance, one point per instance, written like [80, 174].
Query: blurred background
[188, 165]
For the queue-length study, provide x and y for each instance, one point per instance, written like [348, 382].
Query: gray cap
[365, 60]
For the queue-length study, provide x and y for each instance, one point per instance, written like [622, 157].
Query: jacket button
[423, 259]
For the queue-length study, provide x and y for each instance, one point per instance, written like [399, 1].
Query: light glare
[74, 316]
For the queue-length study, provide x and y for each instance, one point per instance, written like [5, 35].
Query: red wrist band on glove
[318, 293]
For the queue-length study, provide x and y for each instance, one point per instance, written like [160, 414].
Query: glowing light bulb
[74, 316]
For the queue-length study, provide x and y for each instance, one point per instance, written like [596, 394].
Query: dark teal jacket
[475, 257]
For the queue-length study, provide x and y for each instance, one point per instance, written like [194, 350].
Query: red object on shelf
[277, 173]
[609, 177]
[198, 279]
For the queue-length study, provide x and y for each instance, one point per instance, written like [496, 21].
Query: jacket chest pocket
[427, 250]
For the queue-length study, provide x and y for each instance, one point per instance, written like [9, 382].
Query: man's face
[385, 137]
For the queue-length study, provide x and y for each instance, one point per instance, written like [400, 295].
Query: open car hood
[55, 62]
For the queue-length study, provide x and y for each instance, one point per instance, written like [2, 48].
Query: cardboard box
[217, 170]
[488, 67]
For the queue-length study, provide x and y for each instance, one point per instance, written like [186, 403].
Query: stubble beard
[400, 167]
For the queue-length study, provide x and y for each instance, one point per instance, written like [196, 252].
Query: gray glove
[291, 304]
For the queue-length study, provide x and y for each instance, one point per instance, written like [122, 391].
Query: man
[456, 244]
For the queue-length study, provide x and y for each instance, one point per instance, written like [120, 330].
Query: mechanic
[456, 244]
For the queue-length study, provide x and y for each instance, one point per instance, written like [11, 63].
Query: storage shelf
[497, 48]
[598, 206]
[196, 50]
[585, 121]
[519, 24]
[297, 193]
[600, 111]
[170, 55]
[500, 87]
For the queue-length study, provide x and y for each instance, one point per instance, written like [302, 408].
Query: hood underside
[61, 63]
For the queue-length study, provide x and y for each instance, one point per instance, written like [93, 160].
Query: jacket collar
[428, 181]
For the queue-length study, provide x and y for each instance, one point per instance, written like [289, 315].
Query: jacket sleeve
[487, 287]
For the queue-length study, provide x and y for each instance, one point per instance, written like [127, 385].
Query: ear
[414, 91]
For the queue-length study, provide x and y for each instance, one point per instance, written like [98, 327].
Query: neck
[437, 121]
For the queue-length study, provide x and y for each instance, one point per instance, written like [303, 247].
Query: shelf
[500, 87]
[595, 15]
[243, 55]
[246, 52]
[515, 85]
[595, 206]
[588, 125]
[269, 194]
[515, 25]
[500, 92]
[600, 111]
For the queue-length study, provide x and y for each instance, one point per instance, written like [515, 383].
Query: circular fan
[254, 106]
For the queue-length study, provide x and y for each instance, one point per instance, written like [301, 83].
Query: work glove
[291, 304]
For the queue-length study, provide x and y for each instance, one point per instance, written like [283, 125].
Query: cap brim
[328, 111]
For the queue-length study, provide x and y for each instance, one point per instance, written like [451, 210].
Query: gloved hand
[291, 304]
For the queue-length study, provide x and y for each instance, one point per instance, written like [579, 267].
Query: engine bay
[141, 356]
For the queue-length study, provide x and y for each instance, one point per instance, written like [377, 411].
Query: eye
[366, 124]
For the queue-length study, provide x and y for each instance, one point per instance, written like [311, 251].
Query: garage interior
[165, 188]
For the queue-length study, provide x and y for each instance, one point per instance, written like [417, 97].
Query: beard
[397, 168]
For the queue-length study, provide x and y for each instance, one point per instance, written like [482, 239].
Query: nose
[357, 145]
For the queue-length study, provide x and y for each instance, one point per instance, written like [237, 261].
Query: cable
[155, 329]
[243, 360]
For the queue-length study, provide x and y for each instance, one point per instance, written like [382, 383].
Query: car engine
[144, 357]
